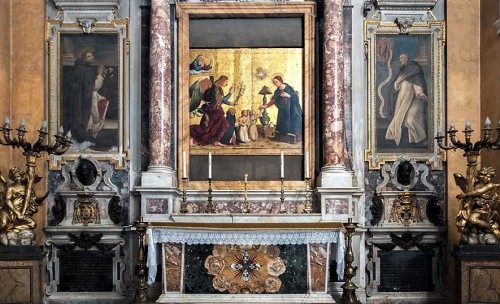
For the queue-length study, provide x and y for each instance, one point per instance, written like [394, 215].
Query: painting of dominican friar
[403, 93]
[90, 97]
[241, 99]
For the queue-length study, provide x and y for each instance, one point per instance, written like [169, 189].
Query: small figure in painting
[199, 65]
[286, 99]
[229, 137]
[253, 134]
[407, 97]
[243, 126]
[478, 218]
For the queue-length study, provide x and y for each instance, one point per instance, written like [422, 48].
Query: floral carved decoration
[246, 269]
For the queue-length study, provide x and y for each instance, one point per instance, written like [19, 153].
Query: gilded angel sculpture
[18, 203]
[478, 218]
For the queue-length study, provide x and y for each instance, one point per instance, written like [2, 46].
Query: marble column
[333, 98]
[160, 117]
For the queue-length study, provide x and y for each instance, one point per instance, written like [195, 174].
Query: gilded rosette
[246, 269]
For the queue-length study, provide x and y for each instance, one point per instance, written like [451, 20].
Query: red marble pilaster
[173, 266]
[160, 85]
[318, 256]
[333, 84]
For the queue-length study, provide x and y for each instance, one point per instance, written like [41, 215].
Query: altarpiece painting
[246, 92]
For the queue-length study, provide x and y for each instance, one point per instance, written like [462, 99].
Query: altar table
[175, 236]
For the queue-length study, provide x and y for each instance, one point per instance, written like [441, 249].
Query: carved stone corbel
[86, 24]
[404, 24]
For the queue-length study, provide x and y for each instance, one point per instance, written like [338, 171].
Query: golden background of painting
[240, 65]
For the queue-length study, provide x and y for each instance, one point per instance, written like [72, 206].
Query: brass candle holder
[141, 287]
[246, 208]
[349, 288]
[184, 197]
[210, 205]
[282, 198]
[308, 208]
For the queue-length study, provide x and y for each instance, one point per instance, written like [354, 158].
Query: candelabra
[58, 147]
[476, 220]
[308, 208]
[23, 182]
[184, 197]
[349, 288]
[471, 150]
[210, 205]
[282, 198]
[141, 287]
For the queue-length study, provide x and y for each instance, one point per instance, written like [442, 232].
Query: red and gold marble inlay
[246, 269]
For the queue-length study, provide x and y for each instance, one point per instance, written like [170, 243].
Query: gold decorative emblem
[405, 209]
[86, 210]
[246, 269]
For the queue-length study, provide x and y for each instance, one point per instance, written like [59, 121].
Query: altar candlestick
[307, 165]
[282, 164]
[209, 165]
[184, 169]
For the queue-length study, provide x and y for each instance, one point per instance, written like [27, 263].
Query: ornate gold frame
[54, 30]
[186, 11]
[437, 33]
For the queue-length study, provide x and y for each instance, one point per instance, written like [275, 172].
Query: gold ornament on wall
[405, 209]
[246, 269]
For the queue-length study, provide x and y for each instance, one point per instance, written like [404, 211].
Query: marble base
[246, 218]
[21, 274]
[245, 298]
[477, 270]
[85, 298]
[335, 177]
[159, 177]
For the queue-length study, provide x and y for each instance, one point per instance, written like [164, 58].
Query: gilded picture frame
[251, 65]
[405, 92]
[87, 96]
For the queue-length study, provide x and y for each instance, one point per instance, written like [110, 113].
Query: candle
[184, 169]
[487, 123]
[452, 125]
[7, 120]
[44, 125]
[68, 136]
[307, 165]
[467, 123]
[209, 165]
[246, 178]
[282, 164]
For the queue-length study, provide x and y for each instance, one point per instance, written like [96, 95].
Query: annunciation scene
[243, 100]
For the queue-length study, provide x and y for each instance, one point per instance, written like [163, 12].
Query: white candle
[307, 165]
[282, 164]
[184, 168]
[246, 178]
[209, 165]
